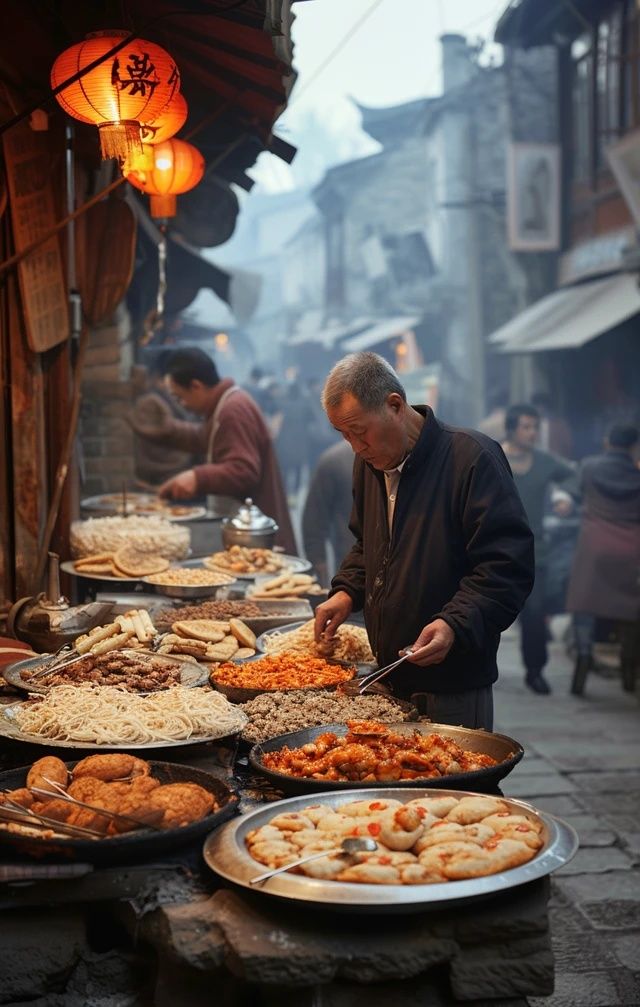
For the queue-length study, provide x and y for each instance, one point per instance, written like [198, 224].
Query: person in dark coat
[240, 460]
[605, 577]
[327, 509]
[537, 475]
[443, 557]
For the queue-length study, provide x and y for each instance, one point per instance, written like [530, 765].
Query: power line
[334, 52]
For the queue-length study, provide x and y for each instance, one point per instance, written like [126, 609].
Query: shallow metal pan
[506, 750]
[144, 843]
[242, 694]
[191, 675]
[292, 564]
[225, 853]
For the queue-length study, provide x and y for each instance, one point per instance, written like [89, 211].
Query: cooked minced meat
[275, 713]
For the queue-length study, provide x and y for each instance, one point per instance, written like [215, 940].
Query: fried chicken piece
[21, 796]
[61, 811]
[110, 767]
[50, 767]
[182, 803]
[87, 789]
[87, 819]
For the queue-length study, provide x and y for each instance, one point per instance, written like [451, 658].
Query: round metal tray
[68, 567]
[293, 564]
[9, 729]
[225, 853]
[506, 750]
[190, 590]
[191, 675]
[144, 843]
[142, 505]
[363, 667]
[241, 694]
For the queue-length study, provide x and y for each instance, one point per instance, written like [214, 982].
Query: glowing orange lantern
[130, 87]
[167, 123]
[177, 167]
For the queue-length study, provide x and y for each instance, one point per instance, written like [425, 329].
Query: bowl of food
[189, 582]
[241, 682]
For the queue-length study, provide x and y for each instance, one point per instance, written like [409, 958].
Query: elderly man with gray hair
[443, 557]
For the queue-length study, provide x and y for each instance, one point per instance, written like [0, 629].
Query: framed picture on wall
[624, 158]
[533, 197]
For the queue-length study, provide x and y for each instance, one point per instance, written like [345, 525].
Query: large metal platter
[242, 694]
[506, 750]
[9, 729]
[363, 667]
[191, 675]
[225, 853]
[292, 564]
[190, 590]
[144, 843]
[141, 504]
[68, 567]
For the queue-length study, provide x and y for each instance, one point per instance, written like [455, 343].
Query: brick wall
[106, 439]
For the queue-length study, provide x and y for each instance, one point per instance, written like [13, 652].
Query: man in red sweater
[239, 457]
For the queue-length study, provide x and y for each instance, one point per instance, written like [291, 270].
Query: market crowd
[442, 537]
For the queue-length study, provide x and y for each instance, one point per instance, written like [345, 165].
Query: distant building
[407, 251]
[580, 342]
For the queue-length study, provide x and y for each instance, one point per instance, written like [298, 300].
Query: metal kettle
[48, 621]
[249, 527]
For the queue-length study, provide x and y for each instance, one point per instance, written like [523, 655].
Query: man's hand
[433, 644]
[332, 614]
[181, 487]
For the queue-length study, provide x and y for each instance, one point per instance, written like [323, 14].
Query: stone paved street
[582, 763]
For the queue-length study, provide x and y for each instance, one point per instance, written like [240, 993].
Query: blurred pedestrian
[605, 578]
[493, 423]
[555, 433]
[292, 440]
[535, 473]
[327, 509]
[240, 459]
[321, 433]
[153, 408]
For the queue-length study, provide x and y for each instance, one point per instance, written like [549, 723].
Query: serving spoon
[349, 845]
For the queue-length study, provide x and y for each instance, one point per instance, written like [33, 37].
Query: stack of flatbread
[210, 639]
[127, 562]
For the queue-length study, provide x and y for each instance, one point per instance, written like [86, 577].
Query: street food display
[242, 559]
[373, 752]
[131, 630]
[131, 671]
[111, 716]
[286, 586]
[275, 713]
[350, 643]
[188, 577]
[222, 610]
[210, 639]
[147, 535]
[282, 671]
[425, 841]
[101, 797]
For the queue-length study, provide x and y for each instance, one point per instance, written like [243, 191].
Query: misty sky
[392, 56]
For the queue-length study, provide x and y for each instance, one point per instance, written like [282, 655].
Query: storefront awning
[386, 329]
[571, 316]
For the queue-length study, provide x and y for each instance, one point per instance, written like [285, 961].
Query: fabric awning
[570, 317]
[377, 333]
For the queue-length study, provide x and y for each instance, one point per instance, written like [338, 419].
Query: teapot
[249, 527]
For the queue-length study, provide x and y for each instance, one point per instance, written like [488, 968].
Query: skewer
[26, 817]
[61, 794]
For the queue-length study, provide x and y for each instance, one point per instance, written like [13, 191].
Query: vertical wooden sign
[42, 283]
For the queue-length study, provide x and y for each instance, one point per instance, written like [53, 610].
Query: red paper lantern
[177, 167]
[130, 87]
[164, 126]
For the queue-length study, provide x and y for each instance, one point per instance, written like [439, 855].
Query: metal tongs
[375, 676]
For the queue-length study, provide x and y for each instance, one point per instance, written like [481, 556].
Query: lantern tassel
[121, 140]
[163, 206]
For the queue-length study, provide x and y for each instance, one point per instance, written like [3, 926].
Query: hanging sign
[41, 276]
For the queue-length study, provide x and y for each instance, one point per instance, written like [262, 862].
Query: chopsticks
[17, 814]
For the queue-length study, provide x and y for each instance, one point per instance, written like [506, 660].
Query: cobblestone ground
[582, 763]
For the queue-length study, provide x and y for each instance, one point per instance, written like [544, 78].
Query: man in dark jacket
[443, 558]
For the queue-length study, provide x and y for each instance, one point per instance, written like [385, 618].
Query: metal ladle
[349, 845]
